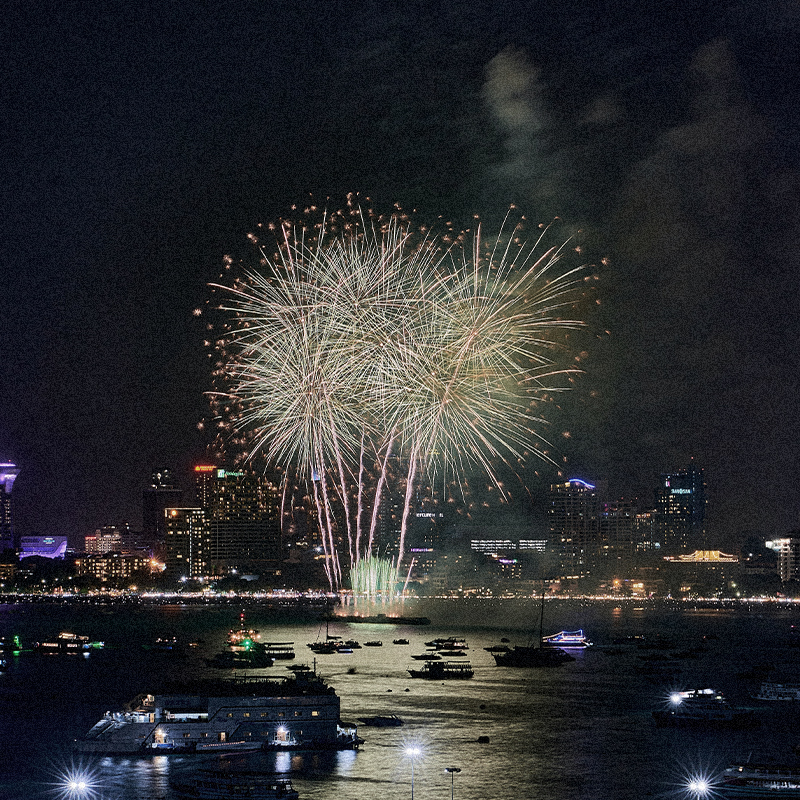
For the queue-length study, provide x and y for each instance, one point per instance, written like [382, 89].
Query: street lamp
[412, 753]
[452, 771]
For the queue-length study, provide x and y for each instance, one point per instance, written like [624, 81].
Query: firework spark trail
[361, 338]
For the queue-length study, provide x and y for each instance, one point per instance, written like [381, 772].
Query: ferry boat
[701, 708]
[279, 650]
[778, 691]
[298, 712]
[443, 670]
[216, 784]
[67, 642]
[566, 639]
[748, 780]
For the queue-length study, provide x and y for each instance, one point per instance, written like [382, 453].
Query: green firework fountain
[373, 579]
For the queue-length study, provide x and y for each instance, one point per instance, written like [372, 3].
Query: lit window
[315, 713]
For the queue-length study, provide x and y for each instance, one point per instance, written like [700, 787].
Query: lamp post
[412, 753]
[452, 771]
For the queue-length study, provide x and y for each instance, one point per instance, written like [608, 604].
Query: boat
[443, 670]
[279, 650]
[427, 657]
[778, 691]
[241, 659]
[399, 641]
[373, 644]
[566, 640]
[391, 721]
[751, 780]
[450, 643]
[533, 655]
[220, 785]
[300, 712]
[525, 656]
[699, 708]
[67, 642]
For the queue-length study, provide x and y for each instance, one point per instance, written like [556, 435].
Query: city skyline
[142, 149]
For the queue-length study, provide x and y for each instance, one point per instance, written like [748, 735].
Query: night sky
[142, 142]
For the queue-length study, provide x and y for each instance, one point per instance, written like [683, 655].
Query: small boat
[400, 641]
[352, 644]
[391, 721]
[750, 780]
[443, 670]
[450, 643]
[778, 691]
[566, 640]
[427, 657]
[701, 708]
[241, 659]
[373, 644]
[215, 784]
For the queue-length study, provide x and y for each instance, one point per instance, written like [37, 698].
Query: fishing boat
[442, 670]
[701, 708]
[218, 784]
[374, 643]
[749, 780]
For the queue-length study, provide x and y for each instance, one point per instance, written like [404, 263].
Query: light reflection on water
[581, 731]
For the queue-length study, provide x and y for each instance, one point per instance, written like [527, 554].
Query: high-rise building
[8, 474]
[788, 550]
[235, 524]
[574, 512]
[680, 507]
[160, 495]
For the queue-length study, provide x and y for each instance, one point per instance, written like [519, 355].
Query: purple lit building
[8, 474]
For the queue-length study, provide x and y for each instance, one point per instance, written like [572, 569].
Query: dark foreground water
[580, 731]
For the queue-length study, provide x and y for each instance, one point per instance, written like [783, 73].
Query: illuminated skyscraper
[235, 524]
[680, 511]
[160, 495]
[575, 513]
[8, 474]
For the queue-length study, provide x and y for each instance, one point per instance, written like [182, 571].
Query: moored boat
[566, 640]
[390, 721]
[533, 657]
[771, 690]
[217, 784]
[701, 708]
[443, 670]
[450, 643]
[67, 642]
[749, 780]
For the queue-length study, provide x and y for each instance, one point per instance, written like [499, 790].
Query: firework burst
[361, 340]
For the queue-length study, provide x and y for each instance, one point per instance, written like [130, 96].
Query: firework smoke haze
[363, 338]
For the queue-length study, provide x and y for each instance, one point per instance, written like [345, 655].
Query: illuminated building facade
[160, 495]
[574, 513]
[8, 474]
[788, 550]
[43, 546]
[112, 566]
[680, 507]
[237, 527]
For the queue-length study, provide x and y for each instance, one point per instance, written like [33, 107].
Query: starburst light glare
[364, 355]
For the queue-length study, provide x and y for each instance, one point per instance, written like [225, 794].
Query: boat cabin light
[676, 698]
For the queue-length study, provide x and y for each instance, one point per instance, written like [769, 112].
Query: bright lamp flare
[361, 344]
[76, 783]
